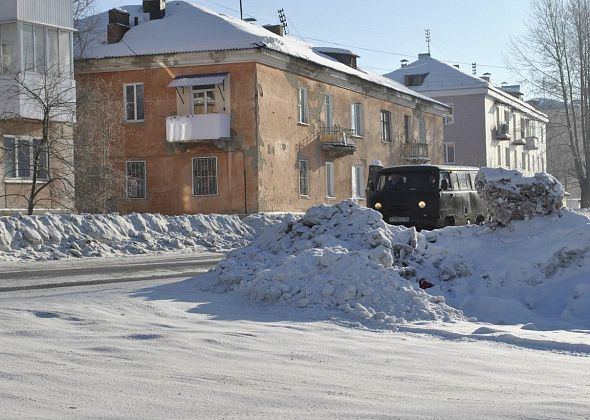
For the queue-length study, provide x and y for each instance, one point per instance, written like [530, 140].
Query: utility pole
[241, 11]
[427, 34]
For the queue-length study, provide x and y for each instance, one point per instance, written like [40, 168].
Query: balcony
[336, 141]
[415, 153]
[503, 132]
[532, 143]
[189, 128]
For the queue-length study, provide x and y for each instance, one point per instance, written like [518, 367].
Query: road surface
[92, 271]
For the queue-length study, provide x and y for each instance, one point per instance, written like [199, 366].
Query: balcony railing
[197, 127]
[503, 132]
[337, 141]
[415, 152]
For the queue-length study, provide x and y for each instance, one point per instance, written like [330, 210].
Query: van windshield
[408, 181]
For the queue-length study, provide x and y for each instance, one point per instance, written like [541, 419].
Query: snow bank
[509, 195]
[534, 272]
[53, 236]
[340, 259]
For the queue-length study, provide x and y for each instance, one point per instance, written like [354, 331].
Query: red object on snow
[424, 284]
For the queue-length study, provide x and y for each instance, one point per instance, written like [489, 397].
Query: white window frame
[330, 184]
[358, 177]
[449, 118]
[18, 178]
[302, 106]
[125, 86]
[144, 179]
[407, 128]
[195, 91]
[422, 135]
[216, 175]
[300, 162]
[386, 135]
[446, 151]
[356, 119]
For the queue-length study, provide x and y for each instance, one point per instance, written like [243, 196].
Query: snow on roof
[187, 27]
[440, 76]
[332, 50]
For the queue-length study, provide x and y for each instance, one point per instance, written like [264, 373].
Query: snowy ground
[154, 350]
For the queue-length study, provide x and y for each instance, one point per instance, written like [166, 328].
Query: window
[65, 52]
[134, 107]
[450, 116]
[46, 48]
[523, 161]
[8, 47]
[20, 155]
[386, 126]
[414, 79]
[205, 176]
[356, 119]
[508, 157]
[329, 111]
[28, 48]
[445, 176]
[499, 154]
[302, 106]
[203, 100]
[303, 178]
[407, 128]
[52, 50]
[464, 182]
[449, 152]
[522, 128]
[136, 185]
[358, 190]
[330, 180]
[422, 130]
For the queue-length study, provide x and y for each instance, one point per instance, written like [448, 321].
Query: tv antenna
[283, 20]
[428, 38]
[474, 68]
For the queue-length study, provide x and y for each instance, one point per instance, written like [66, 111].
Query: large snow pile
[340, 259]
[533, 271]
[262, 221]
[509, 195]
[53, 236]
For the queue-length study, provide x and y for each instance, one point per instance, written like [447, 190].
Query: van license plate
[397, 219]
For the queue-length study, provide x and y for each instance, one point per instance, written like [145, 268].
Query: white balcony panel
[197, 127]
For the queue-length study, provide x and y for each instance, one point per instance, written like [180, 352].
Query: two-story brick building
[225, 116]
[37, 105]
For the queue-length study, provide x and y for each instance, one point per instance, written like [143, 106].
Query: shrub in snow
[53, 236]
[341, 258]
[509, 195]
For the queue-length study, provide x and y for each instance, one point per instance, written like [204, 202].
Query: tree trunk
[585, 197]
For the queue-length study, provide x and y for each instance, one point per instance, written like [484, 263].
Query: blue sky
[462, 31]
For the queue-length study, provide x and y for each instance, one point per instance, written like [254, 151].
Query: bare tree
[100, 179]
[556, 52]
[86, 22]
[40, 109]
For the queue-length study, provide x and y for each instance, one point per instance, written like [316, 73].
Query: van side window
[470, 181]
[463, 182]
[455, 181]
[445, 176]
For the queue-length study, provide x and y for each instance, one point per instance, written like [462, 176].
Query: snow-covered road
[164, 349]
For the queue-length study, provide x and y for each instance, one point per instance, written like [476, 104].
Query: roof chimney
[118, 25]
[423, 55]
[275, 29]
[487, 77]
[156, 8]
[404, 62]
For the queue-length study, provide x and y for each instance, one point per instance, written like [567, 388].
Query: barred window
[303, 177]
[136, 185]
[205, 176]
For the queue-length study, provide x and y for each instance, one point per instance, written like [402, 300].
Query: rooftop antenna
[241, 11]
[427, 34]
[474, 68]
[283, 20]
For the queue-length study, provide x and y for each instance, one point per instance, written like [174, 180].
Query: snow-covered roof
[439, 76]
[187, 27]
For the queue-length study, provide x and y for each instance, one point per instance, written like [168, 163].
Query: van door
[447, 200]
